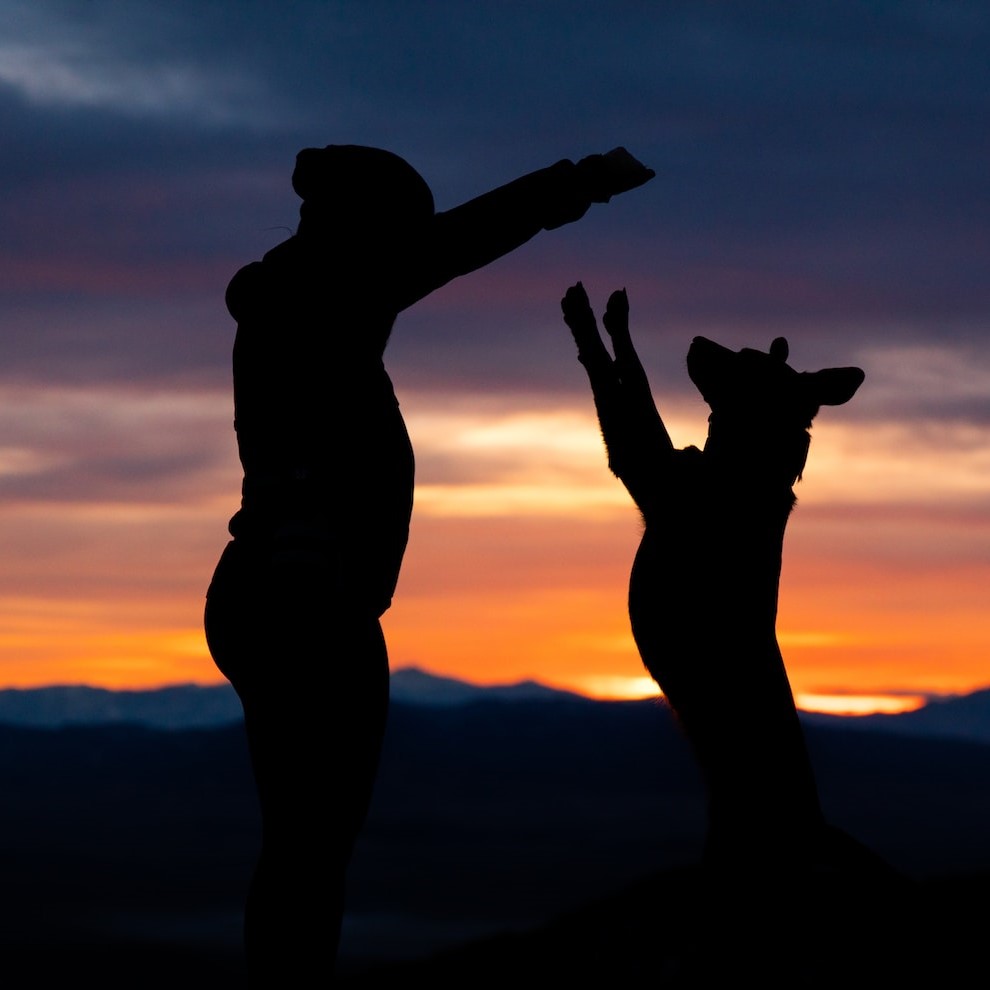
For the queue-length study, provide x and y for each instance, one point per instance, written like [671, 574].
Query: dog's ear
[833, 386]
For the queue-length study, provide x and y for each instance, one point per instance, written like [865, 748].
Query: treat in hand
[615, 172]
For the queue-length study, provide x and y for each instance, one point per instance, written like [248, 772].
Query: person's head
[353, 191]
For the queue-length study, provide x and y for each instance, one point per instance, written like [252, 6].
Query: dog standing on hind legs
[704, 584]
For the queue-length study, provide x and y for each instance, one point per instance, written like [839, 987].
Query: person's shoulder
[254, 283]
[243, 290]
[285, 252]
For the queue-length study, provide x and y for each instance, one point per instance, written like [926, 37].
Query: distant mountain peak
[416, 686]
[199, 706]
[175, 706]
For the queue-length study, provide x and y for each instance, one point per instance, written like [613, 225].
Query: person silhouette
[292, 615]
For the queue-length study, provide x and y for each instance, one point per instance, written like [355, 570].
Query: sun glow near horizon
[642, 688]
[519, 557]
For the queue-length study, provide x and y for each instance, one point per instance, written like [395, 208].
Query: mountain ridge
[487, 817]
[195, 706]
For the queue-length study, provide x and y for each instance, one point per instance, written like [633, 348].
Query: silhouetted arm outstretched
[636, 439]
[477, 232]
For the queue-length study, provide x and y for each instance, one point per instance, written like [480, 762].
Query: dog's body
[704, 583]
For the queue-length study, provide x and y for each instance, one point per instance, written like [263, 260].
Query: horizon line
[603, 688]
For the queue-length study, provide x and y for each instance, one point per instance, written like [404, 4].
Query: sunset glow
[519, 558]
[140, 185]
[838, 704]
[294, 233]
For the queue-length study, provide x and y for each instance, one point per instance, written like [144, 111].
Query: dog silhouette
[704, 584]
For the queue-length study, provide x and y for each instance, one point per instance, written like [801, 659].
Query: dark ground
[523, 844]
[660, 932]
[665, 932]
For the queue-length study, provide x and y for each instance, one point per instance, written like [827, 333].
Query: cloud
[821, 175]
[930, 381]
[510, 456]
[820, 172]
[72, 447]
[124, 58]
[944, 467]
[76, 76]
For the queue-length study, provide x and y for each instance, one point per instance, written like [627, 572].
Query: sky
[823, 174]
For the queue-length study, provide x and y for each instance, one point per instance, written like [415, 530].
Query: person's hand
[605, 176]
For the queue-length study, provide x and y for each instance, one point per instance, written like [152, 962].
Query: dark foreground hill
[566, 831]
[676, 929]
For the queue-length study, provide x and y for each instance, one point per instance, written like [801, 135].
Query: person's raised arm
[469, 236]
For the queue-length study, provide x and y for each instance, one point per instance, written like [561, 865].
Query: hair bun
[367, 178]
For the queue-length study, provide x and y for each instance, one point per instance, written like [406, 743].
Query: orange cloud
[518, 563]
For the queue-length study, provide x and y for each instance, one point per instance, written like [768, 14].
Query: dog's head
[757, 384]
[760, 404]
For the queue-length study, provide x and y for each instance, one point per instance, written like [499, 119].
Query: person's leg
[313, 679]
[315, 741]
